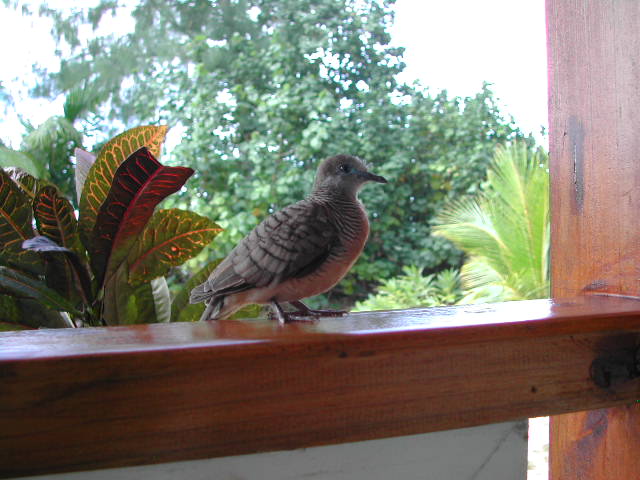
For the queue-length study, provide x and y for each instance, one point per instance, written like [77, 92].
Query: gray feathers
[299, 251]
[289, 243]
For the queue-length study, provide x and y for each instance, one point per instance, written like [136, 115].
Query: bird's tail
[199, 294]
[213, 309]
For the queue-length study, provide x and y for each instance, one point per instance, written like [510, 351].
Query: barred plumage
[300, 251]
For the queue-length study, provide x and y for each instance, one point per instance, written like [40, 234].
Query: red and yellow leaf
[15, 223]
[170, 238]
[28, 184]
[98, 182]
[55, 218]
[139, 184]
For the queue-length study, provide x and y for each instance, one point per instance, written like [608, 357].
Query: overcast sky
[458, 44]
[453, 45]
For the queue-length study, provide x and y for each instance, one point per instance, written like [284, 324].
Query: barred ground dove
[298, 252]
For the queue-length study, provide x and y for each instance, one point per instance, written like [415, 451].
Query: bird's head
[344, 174]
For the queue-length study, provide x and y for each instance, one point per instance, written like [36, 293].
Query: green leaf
[249, 311]
[127, 305]
[15, 224]
[181, 309]
[55, 218]
[9, 309]
[9, 327]
[161, 299]
[505, 230]
[65, 272]
[98, 182]
[116, 307]
[59, 276]
[170, 238]
[26, 313]
[147, 303]
[15, 158]
[21, 285]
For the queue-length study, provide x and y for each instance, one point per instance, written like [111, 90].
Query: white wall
[489, 452]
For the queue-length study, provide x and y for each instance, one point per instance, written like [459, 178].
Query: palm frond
[505, 231]
[79, 101]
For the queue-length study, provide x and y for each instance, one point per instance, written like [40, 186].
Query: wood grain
[594, 82]
[91, 398]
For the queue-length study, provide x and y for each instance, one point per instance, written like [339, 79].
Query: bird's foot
[311, 313]
[278, 312]
[304, 311]
[303, 314]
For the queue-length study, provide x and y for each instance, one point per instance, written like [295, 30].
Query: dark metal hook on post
[613, 369]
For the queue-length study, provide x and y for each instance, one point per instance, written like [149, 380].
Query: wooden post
[594, 103]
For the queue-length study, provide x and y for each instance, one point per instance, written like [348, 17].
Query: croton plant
[107, 266]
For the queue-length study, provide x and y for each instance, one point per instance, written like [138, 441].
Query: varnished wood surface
[91, 398]
[487, 321]
[594, 102]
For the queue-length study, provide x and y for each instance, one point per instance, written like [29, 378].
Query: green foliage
[413, 289]
[23, 285]
[265, 90]
[46, 151]
[113, 273]
[183, 311]
[505, 230]
[170, 238]
[23, 160]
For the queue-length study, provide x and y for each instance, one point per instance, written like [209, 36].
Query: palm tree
[504, 231]
[46, 150]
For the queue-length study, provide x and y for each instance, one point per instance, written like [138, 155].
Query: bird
[298, 252]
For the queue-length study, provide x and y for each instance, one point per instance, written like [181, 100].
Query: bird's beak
[371, 177]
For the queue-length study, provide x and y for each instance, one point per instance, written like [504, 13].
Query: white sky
[458, 44]
[453, 45]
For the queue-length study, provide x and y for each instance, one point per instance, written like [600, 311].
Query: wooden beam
[104, 397]
[594, 83]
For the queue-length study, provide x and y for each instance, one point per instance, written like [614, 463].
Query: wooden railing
[104, 397]
[83, 399]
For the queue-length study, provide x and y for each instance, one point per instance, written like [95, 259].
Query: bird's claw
[317, 313]
[304, 311]
[303, 314]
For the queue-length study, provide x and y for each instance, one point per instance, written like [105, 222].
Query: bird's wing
[290, 243]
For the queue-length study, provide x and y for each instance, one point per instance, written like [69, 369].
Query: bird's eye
[345, 167]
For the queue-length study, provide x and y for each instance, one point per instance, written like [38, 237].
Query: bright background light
[453, 45]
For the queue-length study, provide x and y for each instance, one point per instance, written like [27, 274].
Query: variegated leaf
[15, 224]
[112, 155]
[55, 218]
[65, 272]
[28, 184]
[140, 183]
[170, 238]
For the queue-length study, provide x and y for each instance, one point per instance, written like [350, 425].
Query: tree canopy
[262, 90]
